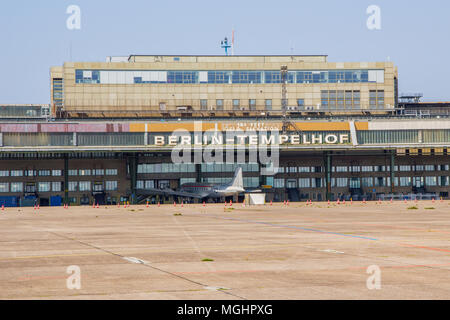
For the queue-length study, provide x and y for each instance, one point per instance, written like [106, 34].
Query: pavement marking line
[423, 247]
[401, 227]
[196, 247]
[146, 265]
[316, 230]
[298, 228]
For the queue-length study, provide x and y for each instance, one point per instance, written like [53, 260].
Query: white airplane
[203, 190]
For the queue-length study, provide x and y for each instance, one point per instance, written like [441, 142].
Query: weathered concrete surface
[269, 252]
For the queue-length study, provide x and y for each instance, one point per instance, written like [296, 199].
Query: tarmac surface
[319, 251]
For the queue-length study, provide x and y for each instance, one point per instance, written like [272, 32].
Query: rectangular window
[4, 187]
[16, 186]
[16, 173]
[73, 172]
[111, 185]
[341, 182]
[252, 104]
[204, 104]
[367, 181]
[30, 173]
[111, 172]
[405, 181]
[4, 173]
[300, 103]
[56, 186]
[304, 183]
[84, 186]
[268, 104]
[84, 172]
[43, 186]
[73, 185]
[431, 181]
[219, 104]
[236, 104]
[44, 173]
[340, 169]
[355, 183]
[278, 183]
[99, 172]
[56, 173]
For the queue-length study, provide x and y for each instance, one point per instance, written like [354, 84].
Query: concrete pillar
[392, 170]
[198, 171]
[66, 178]
[74, 139]
[133, 162]
[328, 169]
[1, 139]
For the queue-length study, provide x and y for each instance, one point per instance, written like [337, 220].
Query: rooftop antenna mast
[224, 44]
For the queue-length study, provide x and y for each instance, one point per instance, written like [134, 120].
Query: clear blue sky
[33, 36]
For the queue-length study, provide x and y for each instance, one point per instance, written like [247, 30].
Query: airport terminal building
[112, 129]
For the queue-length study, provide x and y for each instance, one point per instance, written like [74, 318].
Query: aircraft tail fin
[238, 181]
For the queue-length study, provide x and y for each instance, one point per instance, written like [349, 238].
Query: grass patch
[177, 214]
[207, 260]
[228, 209]
[429, 208]
[413, 208]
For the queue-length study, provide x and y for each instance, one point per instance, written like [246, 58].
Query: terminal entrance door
[418, 182]
[291, 183]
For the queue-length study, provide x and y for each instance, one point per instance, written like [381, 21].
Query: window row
[226, 77]
[360, 182]
[57, 186]
[93, 172]
[57, 172]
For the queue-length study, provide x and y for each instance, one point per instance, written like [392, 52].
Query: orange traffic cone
[231, 203]
[204, 204]
[158, 204]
